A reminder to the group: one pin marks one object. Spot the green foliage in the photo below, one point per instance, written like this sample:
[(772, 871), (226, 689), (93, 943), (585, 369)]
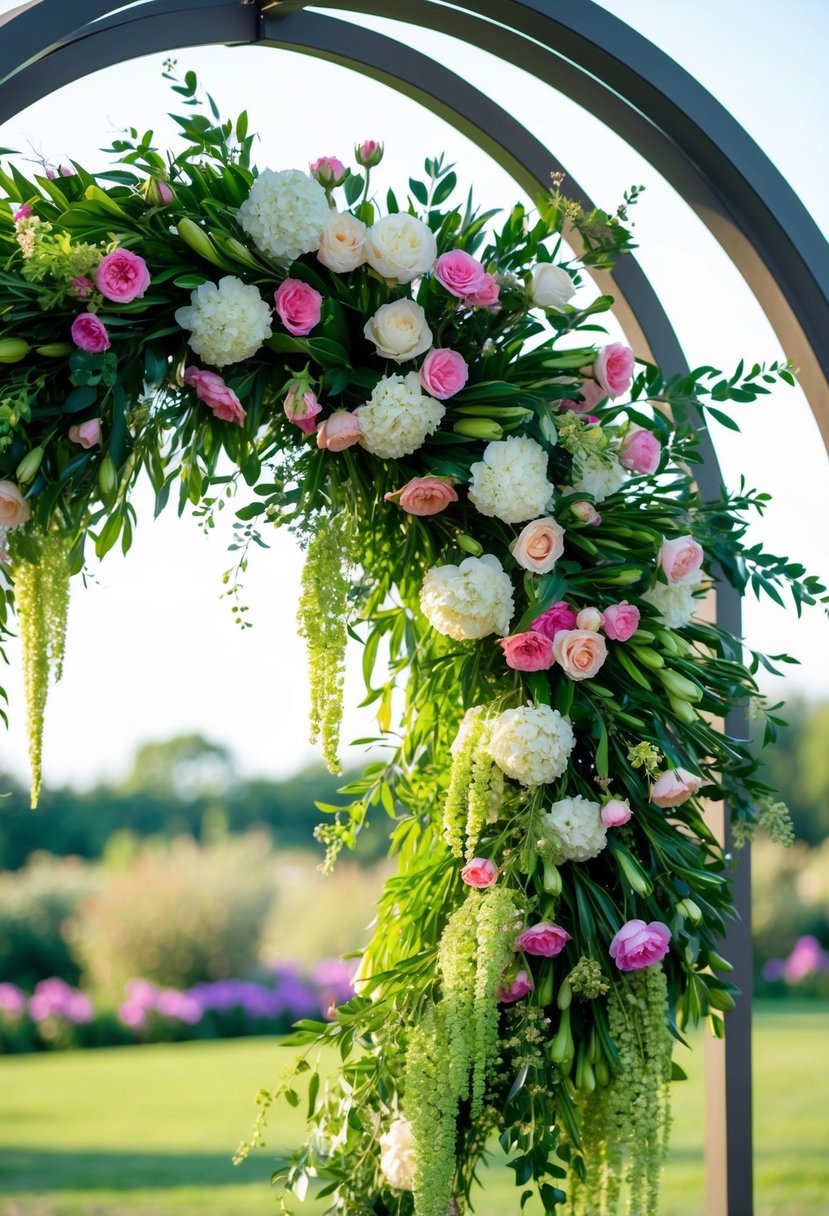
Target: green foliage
[(37, 906)]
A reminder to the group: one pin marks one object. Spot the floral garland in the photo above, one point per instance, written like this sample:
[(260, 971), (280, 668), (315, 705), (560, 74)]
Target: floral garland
[(508, 514)]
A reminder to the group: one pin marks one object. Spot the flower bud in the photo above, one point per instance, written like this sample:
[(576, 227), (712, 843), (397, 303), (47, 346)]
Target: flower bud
[(684, 710), (624, 578), (478, 428), (633, 873), (647, 657), (29, 465), (552, 879), (718, 998), (157, 192), (565, 995), (690, 910), (544, 991), (717, 963), (369, 153), (106, 475), (55, 350), (12, 350), (589, 618), (469, 544), (680, 687), (562, 1046), (329, 171), (594, 439), (198, 240), (602, 1072), (586, 512)]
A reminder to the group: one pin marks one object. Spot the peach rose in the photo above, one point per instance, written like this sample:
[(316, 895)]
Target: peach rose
[(14, 510), (539, 545), (424, 495), (681, 559), (674, 787), (580, 652), (339, 431)]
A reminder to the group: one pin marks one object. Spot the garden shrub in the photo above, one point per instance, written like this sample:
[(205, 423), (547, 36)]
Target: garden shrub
[(36, 907)]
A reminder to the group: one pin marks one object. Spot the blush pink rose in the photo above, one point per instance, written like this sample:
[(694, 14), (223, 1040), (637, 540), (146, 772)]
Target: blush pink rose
[(580, 652), (299, 307), (615, 813), (302, 409), (23, 212), (487, 295), (681, 559), (640, 451), (122, 276), (592, 394), (674, 787), (519, 986), (444, 373), (530, 651), (89, 333), (638, 945), (539, 545), (14, 510), (460, 273), (212, 390), (369, 153), (339, 431), (480, 872), (544, 939), (557, 617), (329, 171), (424, 495), (613, 368), (87, 434), (621, 621), (589, 618)]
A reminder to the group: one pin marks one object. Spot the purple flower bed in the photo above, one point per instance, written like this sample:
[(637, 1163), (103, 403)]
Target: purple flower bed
[(807, 961)]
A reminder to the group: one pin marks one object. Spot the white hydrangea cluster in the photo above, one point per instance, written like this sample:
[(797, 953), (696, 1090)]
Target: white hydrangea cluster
[(532, 744), (575, 824), (598, 476), (285, 214), (511, 480), (228, 321), (674, 602), (397, 1155), (468, 601), (398, 416)]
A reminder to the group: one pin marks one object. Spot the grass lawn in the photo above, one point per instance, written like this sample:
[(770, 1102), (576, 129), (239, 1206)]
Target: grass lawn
[(149, 1131)]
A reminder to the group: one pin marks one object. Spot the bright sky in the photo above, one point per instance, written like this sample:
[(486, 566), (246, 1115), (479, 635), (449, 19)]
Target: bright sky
[(152, 650)]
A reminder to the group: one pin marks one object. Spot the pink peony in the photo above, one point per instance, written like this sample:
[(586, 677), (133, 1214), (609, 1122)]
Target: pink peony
[(89, 333), (302, 409), (460, 273), (486, 296), (480, 872), (87, 434), (613, 368), (638, 945), (539, 545), (615, 813), (14, 510), (580, 652), (528, 651), (82, 287), (621, 621), (681, 559), (640, 451), (589, 618), (299, 307), (518, 986), (544, 939), (212, 390), (369, 153), (23, 212), (444, 373), (424, 495), (592, 394), (339, 431), (674, 787), (557, 617), (329, 171), (122, 276)]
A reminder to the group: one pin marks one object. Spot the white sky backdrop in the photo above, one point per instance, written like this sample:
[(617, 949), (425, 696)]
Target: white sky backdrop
[(152, 651)]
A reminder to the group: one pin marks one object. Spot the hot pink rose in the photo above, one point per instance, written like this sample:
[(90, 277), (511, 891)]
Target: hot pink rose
[(87, 434), (528, 651), (302, 409), (592, 394), (544, 939), (369, 153), (444, 373), (640, 451), (681, 559), (122, 276), (212, 390), (621, 621), (82, 287), (615, 813), (674, 787), (613, 368), (589, 618), (339, 431), (580, 652), (487, 295), (89, 333), (460, 273), (299, 307), (638, 945), (329, 171), (424, 495), (14, 510), (480, 872), (539, 545), (557, 617), (23, 212), (516, 987)]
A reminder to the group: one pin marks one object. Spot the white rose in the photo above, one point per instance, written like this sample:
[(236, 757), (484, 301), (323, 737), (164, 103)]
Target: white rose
[(400, 247), (575, 825), (532, 744), (468, 601), (343, 244), (397, 1155), (399, 331), (552, 286)]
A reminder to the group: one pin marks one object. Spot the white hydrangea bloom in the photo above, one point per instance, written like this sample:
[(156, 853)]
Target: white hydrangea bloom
[(468, 601), (598, 476), (575, 825), (398, 416), (397, 1155), (285, 214), (532, 744), (511, 480), (674, 602), (228, 321)]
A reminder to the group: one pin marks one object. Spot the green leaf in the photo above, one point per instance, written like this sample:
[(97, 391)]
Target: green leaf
[(419, 190)]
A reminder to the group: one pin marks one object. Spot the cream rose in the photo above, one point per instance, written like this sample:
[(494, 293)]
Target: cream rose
[(552, 286), (539, 545), (343, 244), (579, 652), (14, 510), (400, 247), (399, 331)]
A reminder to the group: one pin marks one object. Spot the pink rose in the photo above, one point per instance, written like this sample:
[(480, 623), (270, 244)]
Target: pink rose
[(299, 307), (339, 431), (589, 618), (122, 276), (302, 409), (460, 273), (516, 987), (557, 617), (674, 787), (621, 621), (424, 495), (613, 368), (487, 295), (586, 512), (580, 652), (23, 212), (544, 939), (528, 651), (444, 373), (480, 872), (615, 813), (14, 510), (212, 390), (681, 559), (592, 394), (638, 945), (640, 451), (87, 434), (89, 333), (329, 171), (369, 153), (539, 545), (82, 287)]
